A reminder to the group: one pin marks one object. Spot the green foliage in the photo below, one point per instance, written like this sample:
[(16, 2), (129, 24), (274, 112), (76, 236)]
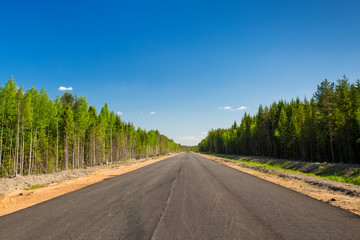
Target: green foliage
[(36, 186), (39, 135), (326, 128), (352, 180)]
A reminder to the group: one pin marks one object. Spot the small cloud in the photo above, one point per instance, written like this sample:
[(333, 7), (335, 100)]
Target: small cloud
[(241, 108), (152, 113), (203, 133), (188, 138), (227, 108), (119, 113), (61, 88)]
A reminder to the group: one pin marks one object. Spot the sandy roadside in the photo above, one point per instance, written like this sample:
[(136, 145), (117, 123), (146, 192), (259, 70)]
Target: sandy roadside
[(335, 198), (20, 199)]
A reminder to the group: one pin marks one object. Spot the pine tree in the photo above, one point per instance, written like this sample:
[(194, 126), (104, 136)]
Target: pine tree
[(104, 118), (9, 115), (281, 131), (344, 106), (92, 131), (26, 120), (19, 97), (68, 131), (325, 101), (81, 121)]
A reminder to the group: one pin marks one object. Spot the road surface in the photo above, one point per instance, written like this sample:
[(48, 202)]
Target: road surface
[(183, 197)]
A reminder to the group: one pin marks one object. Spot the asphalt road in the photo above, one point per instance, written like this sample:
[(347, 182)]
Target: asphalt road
[(183, 197)]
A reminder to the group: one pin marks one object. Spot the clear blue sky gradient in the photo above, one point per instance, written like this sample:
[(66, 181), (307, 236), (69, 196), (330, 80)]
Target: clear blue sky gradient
[(183, 59)]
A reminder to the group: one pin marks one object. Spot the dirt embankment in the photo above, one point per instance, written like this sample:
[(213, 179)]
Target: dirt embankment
[(343, 195), (13, 197)]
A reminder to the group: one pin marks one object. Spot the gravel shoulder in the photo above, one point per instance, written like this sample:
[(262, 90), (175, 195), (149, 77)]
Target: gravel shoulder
[(13, 197), (343, 195)]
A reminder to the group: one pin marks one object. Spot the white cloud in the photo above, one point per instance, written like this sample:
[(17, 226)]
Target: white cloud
[(241, 108), (152, 113), (227, 108), (203, 133), (61, 88), (188, 138), (119, 113)]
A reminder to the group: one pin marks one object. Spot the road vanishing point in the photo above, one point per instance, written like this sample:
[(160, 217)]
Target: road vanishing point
[(182, 197)]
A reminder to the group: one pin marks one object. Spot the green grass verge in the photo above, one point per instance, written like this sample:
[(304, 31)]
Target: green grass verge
[(36, 186), (352, 180)]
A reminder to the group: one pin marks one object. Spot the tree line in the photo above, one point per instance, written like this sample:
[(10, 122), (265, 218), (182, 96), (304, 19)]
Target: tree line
[(39, 135), (324, 128)]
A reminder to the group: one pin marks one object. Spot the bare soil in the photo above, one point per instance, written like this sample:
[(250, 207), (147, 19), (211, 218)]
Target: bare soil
[(14, 197), (343, 195)]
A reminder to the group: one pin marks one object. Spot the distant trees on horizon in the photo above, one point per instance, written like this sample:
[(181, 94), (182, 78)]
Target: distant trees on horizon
[(325, 128), (39, 135)]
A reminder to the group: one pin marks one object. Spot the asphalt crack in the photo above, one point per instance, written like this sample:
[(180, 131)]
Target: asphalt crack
[(167, 202)]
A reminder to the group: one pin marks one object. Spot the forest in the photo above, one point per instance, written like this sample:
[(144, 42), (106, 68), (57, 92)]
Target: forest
[(39, 135), (325, 128)]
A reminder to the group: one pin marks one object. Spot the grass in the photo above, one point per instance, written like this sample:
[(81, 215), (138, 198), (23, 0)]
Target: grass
[(36, 186), (353, 180), (356, 172), (70, 178)]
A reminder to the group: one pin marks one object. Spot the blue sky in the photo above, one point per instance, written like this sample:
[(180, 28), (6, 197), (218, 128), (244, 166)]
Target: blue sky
[(185, 61)]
